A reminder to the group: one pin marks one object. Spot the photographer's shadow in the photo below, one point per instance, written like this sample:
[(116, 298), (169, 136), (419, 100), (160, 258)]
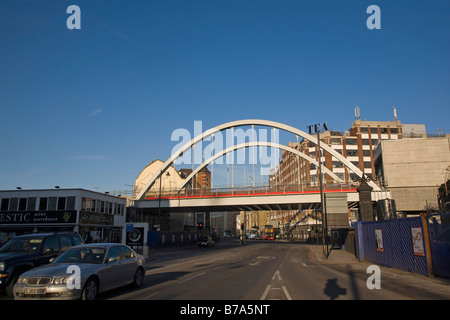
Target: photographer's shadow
[(333, 290)]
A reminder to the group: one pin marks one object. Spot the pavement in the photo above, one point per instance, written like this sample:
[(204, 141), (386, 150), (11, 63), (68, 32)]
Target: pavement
[(437, 287), (335, 256)]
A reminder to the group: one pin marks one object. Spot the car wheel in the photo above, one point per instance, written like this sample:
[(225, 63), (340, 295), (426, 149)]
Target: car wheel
[(138, 278), (90, 289), (9, 288)]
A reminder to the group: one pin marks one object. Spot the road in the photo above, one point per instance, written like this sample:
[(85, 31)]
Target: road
[(271, 270)]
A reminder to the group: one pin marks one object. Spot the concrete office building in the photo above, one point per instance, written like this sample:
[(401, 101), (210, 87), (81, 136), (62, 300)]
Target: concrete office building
[(413, 170)]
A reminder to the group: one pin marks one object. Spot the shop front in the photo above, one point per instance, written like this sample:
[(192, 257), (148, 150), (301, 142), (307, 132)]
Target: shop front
[(96, 227), (97, 217), (18, 223)]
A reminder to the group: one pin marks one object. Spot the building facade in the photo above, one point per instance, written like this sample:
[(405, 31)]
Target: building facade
[(168, 185), (357, 144), (413, 170), (97, 217)]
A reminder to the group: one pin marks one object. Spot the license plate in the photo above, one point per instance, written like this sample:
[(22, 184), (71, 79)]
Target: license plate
[(34, 291)]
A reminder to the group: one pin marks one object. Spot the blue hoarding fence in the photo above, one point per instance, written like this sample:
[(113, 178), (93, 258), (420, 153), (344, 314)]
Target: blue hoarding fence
[(439, 230), (398, 243)]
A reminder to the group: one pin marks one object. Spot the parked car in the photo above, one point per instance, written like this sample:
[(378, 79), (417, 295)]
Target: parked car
[(205, 242), (83, 272), (25, 252)]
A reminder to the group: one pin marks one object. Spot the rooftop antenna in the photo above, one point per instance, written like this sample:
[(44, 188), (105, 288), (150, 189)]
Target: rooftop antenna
[(395, 113), (357, 113)]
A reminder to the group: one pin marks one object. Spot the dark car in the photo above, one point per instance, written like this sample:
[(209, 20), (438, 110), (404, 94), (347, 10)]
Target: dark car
[(25, 252), (205, 242)]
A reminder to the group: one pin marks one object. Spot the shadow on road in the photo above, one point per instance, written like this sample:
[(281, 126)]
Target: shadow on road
[(333, 290)]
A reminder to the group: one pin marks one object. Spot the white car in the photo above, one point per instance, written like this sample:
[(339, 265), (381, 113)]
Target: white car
[(83, 272)]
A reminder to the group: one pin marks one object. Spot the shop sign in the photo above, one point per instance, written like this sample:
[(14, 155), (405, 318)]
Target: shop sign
[(135, 237), (38, 217), (96, 218)]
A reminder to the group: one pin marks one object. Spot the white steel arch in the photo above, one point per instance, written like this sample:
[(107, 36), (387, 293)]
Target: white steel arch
[(257, 122), (256, 144)]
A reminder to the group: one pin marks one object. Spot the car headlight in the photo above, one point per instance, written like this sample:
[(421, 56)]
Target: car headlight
[(59, 280), (2, 266), (21, 280)]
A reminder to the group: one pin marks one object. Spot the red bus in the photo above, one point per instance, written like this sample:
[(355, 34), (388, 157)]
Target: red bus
[(267, 232)]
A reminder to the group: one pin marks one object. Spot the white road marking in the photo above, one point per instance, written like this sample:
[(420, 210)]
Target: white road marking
[(276, 277), (193, 277)]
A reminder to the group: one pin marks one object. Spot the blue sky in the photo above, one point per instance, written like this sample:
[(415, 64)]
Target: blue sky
[(91, 108)]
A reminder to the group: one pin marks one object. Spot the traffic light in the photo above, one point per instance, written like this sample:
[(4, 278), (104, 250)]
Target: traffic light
[(242, 226)]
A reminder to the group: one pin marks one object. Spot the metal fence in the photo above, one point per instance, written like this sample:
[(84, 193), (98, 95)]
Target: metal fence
[(171, 240), (395, 243), (439, 229)]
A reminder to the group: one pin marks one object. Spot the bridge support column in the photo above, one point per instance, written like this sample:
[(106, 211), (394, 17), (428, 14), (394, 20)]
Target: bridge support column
[(365, 201)]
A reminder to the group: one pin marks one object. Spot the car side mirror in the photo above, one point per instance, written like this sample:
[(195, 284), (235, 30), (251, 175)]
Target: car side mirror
[(112, 259)]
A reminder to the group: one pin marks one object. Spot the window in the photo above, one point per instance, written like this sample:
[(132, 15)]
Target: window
[(13, 204), (76, 240), (51, 243), (336, 141), (52, 203), (62, 203), (338, 164), (43, 203), (65, 243), (31, 204), (5, 204), (70, 203), (352, 153), (114, 252), (23, 204), (126, 253)]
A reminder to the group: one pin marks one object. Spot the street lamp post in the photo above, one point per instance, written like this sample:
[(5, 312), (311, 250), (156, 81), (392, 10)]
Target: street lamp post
[(159, 201), (317, 129)]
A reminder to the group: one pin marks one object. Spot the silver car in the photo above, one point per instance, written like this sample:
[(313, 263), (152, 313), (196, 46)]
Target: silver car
[(83, 272)]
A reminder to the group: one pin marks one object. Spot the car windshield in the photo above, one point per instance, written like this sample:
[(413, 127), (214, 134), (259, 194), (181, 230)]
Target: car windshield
[(22, 245), (82, 255)]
